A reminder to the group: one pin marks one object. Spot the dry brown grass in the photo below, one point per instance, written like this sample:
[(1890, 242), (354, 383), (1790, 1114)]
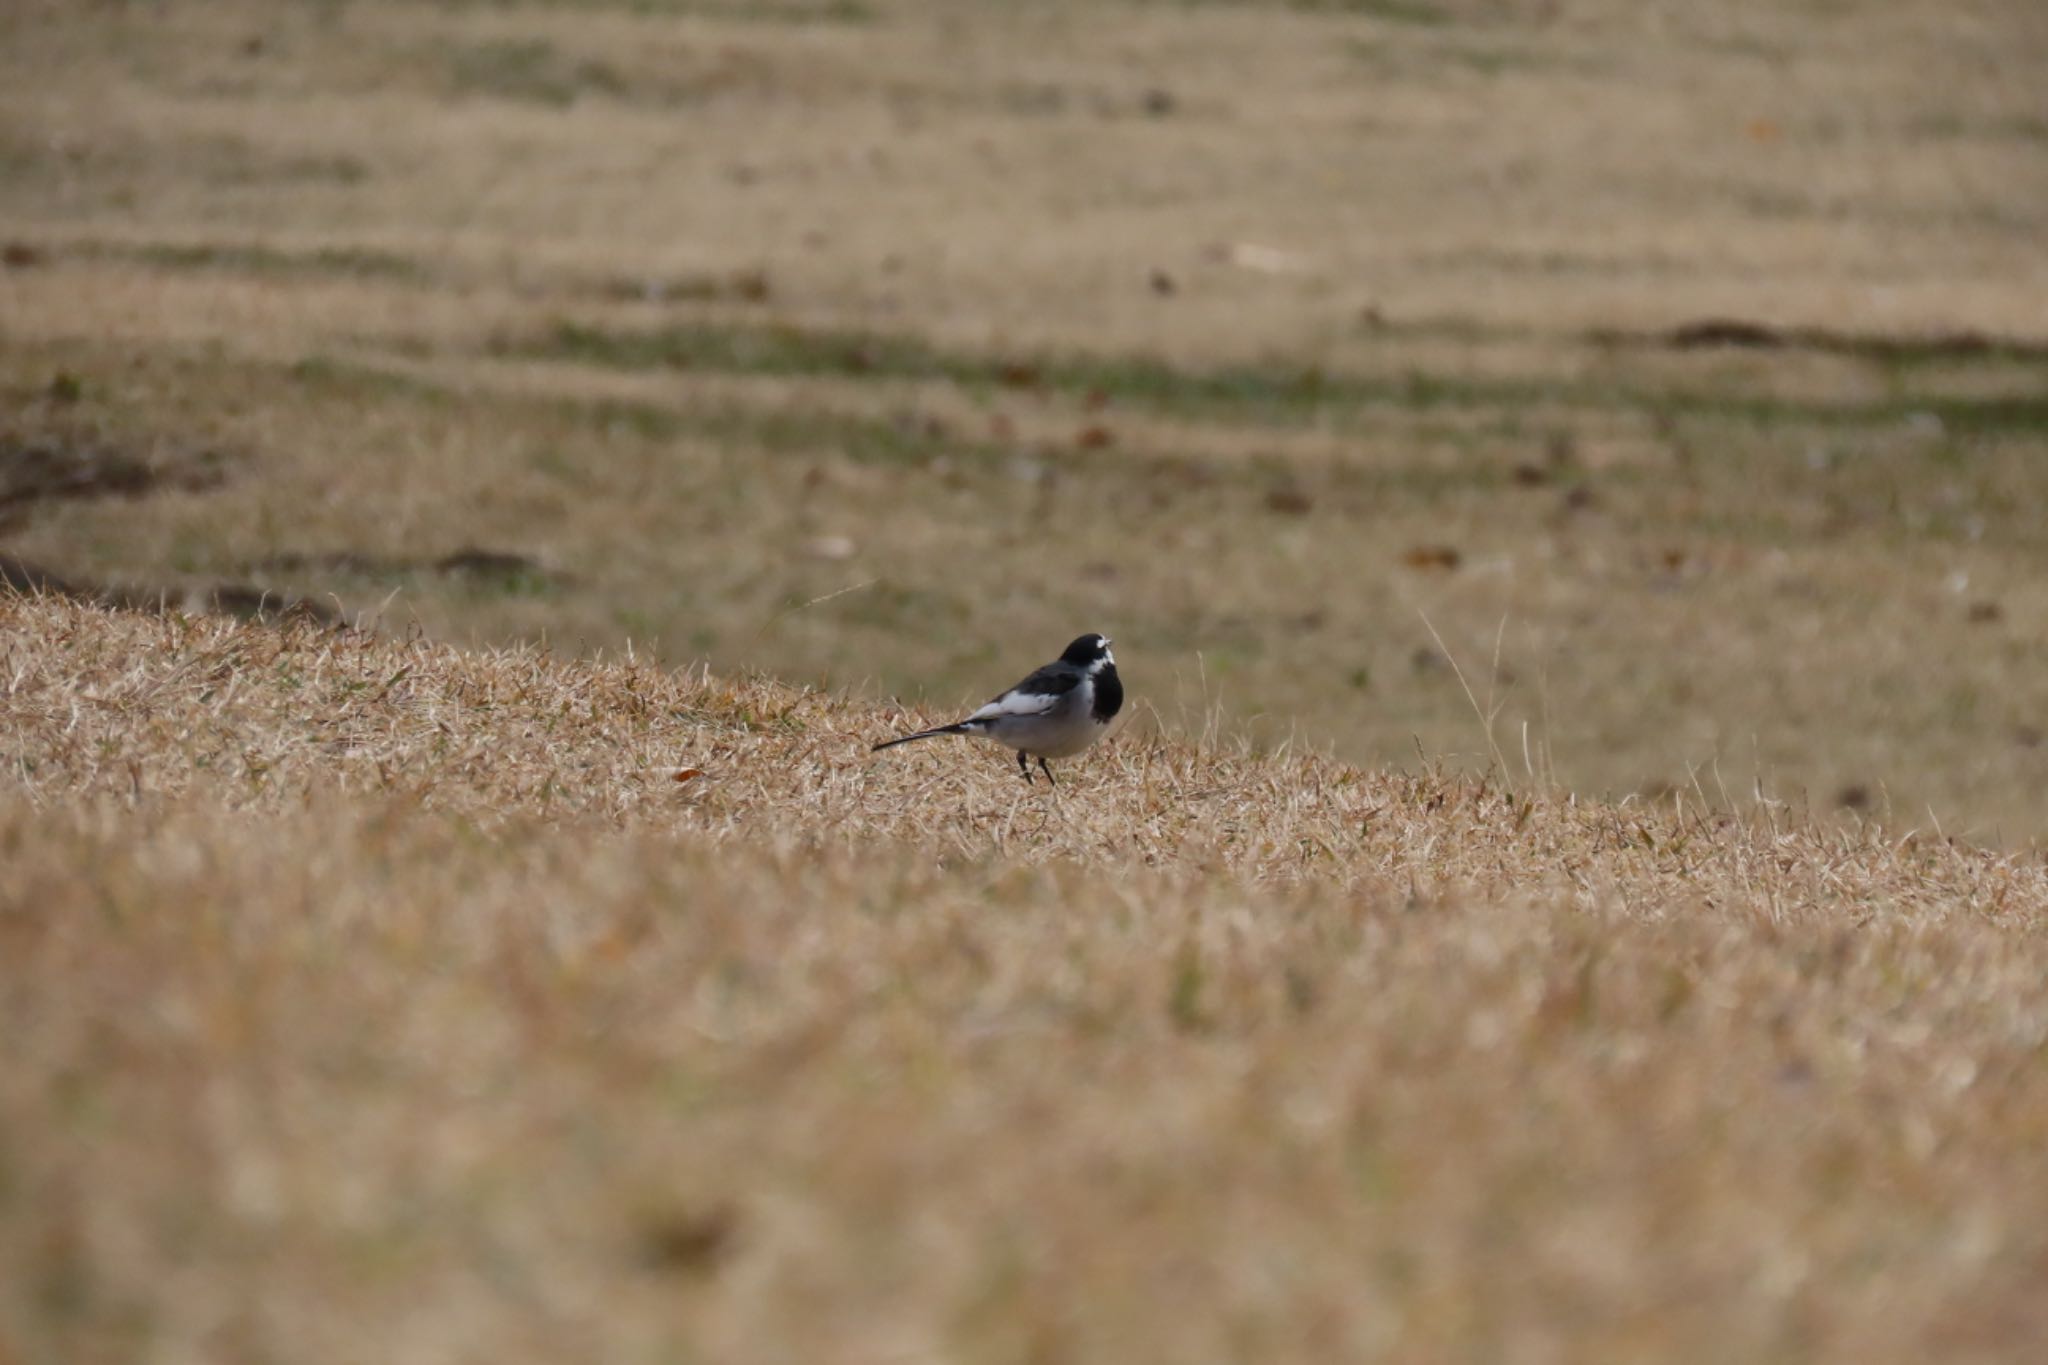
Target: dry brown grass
[(370, 999), (802, 250)]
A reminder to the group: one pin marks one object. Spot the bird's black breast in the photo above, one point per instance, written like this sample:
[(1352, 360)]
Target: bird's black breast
[(1109, 695)]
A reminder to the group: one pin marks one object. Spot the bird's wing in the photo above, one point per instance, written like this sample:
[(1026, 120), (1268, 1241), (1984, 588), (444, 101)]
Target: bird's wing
[(1035, 696)]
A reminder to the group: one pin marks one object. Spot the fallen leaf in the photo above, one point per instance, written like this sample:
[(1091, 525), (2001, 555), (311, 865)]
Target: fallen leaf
[(690, 1242), (1289, 502), (686, 774), (1426, 557)]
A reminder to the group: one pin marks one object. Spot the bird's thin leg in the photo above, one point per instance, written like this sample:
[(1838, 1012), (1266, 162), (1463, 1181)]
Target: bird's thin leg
[(1047, 771), (1024, 766)]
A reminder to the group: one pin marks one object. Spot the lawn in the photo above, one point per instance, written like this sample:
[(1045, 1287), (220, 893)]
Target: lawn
[(1564, 482)]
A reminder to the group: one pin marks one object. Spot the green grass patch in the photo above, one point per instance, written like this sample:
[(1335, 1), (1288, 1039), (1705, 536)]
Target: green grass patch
[(1948, 125), (255, 259), (1267, 391), (734, 11), (353, 379), (1384, 58), (1416, 13), (530, 71), (1259, 392), (912, 440)]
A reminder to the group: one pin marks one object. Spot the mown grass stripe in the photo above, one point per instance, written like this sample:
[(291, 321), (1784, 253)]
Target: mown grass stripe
[(1270, 392)]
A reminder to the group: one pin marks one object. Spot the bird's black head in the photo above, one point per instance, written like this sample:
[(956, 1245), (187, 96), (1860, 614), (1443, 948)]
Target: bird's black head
[(1088, 650)]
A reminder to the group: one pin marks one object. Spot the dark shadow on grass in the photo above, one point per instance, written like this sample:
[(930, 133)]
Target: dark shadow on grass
[(1895, 350)]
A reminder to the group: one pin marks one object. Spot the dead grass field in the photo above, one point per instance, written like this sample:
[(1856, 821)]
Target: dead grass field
[(1565, 481), (380, 1001)]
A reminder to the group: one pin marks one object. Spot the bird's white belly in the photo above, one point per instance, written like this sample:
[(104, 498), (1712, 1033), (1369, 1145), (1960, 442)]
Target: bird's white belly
[(1057, 734)]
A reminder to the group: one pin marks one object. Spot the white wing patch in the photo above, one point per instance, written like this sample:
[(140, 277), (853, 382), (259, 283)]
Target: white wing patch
[(1017, 704)]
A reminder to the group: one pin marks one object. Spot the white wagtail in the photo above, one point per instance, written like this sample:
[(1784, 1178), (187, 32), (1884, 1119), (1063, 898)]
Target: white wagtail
[(1055, 713)]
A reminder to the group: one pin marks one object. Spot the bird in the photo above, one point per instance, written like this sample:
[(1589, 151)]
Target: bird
[(1057, 712)]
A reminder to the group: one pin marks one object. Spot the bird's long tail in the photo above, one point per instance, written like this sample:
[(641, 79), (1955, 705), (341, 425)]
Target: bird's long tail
[(958, 729)]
